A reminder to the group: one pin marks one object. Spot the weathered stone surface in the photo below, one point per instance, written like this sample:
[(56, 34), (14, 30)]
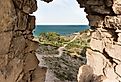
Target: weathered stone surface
[(95, 20), (15, 29), (115, 49), (21, 17), (7, 15), (95, 60), (98, 47), (100, 10), (108, 3), (18, 45), (5, 41), (3, 60), (85, 73), (27, 6), (39, 74), (118, 67), (29, 36), (119, 37), (12, 72), (30, 63), (113, 22), (31, 46), (103, 56), (31, 24), (117, 6), (96, 6)]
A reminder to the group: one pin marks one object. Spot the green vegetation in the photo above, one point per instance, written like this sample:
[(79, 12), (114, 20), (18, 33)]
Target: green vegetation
[(51, 38), (55, 39), (66, 66)]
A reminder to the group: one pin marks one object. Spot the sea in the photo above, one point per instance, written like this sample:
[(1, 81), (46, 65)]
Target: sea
[(61, 29)]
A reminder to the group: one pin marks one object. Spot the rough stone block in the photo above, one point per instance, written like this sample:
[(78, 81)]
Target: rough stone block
[(96, 61), (95, 20), (7, 15), (18, 45), (21, 17), (39, 74), (114, 52), (108, 3), (96, 44), (18, 3), (3, 60), (100, 10), (113, 22), (31, 46), (31, 23), (117, 6), (31, 62), (119, 37), (12, 72), (27, 6), (5, 41)]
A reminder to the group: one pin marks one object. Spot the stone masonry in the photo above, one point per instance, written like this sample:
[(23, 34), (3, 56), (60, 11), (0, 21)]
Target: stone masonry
[(104, 54), (18, 62)]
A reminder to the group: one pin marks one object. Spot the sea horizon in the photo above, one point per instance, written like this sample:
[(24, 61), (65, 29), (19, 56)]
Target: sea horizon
[(61, 29)]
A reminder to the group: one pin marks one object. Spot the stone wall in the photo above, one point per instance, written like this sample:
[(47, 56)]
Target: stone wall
[(18, 62), (104, 54)]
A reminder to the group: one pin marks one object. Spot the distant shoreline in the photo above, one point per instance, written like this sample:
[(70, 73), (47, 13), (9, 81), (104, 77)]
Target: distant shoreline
[(60, 29)]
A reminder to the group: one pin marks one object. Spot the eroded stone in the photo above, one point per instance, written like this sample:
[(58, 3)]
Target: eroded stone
[(114, 51), (117, 6), (12, 72), (27, 6), (5, 41), (21, 17), (113, 22), (39, 74), (30, 63), (31, 46), (31, 24), (18, 45), (7, 15), (95, 20)]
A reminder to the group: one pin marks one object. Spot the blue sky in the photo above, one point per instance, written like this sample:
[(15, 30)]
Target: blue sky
[(60, 12)]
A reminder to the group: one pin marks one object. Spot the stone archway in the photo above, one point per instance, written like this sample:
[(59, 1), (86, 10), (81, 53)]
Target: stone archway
[(18, 62)]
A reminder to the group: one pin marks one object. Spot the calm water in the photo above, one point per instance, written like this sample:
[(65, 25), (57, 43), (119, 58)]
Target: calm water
[(61, 29)]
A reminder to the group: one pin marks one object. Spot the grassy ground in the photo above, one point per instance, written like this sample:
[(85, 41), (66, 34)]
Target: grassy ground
[(54, 39)]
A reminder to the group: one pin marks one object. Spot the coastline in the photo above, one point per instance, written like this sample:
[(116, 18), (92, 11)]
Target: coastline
[(61, 29)]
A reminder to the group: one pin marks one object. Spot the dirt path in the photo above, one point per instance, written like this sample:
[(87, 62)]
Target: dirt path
[(61, 49)]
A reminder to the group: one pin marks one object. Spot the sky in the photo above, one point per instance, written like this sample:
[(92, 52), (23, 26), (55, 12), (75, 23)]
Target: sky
[(60, 12)]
